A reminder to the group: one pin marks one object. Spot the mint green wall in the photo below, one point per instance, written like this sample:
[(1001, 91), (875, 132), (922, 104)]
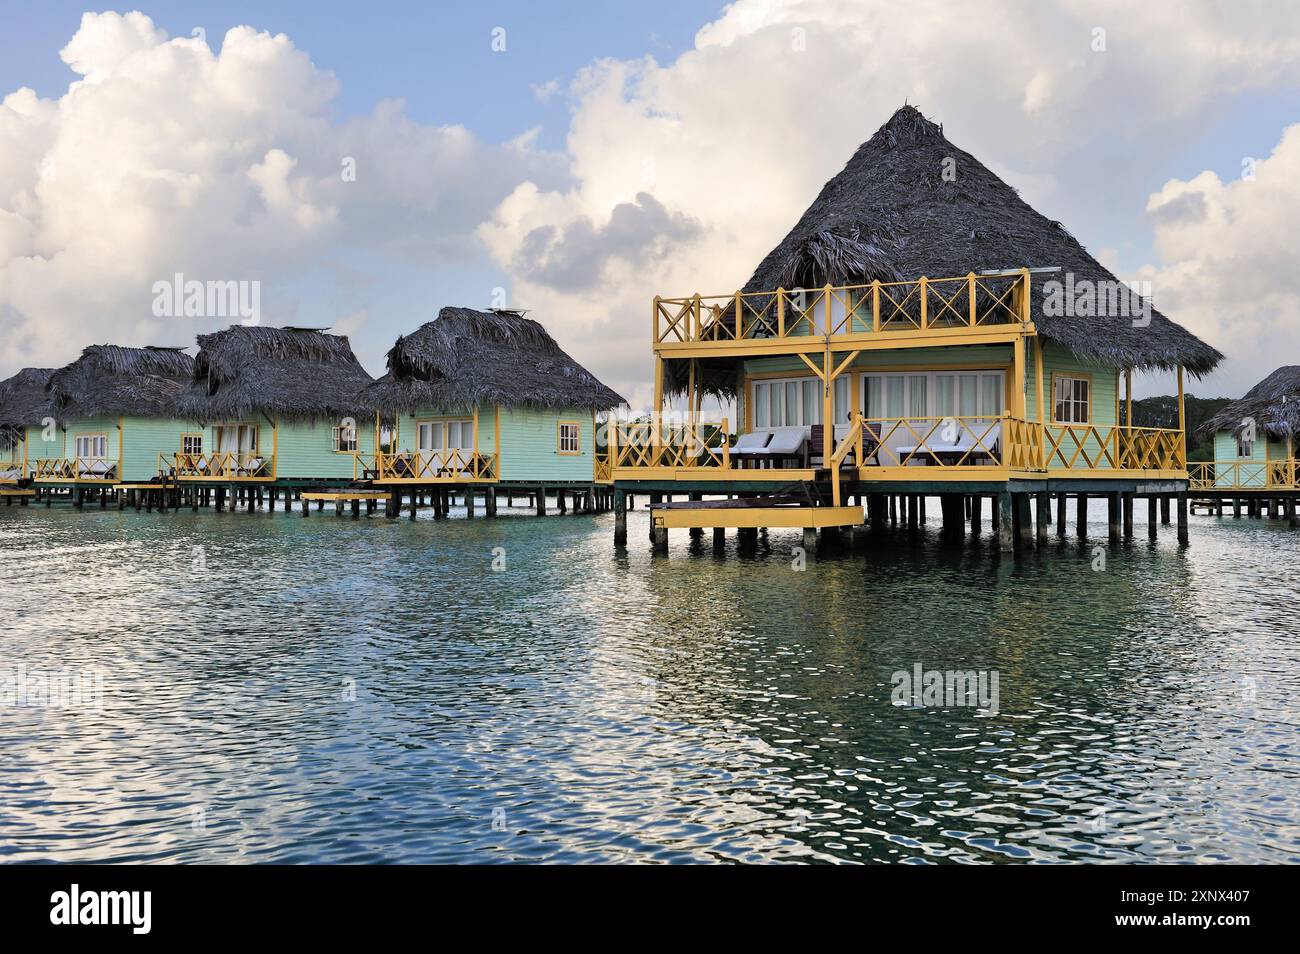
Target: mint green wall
[(1253, 472), (143, 440), (529, 441), (1225, 449), (37, 447), (529, 445)]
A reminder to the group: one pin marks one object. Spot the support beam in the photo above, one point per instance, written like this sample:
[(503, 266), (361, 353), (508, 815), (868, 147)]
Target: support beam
[(1152, 523), (1005, 540), (620, 518), (1081, 516), (1044, 516), (1182, 519)]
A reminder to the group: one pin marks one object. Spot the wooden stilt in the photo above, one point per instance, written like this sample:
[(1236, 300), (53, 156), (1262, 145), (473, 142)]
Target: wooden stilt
[(1004, 523)]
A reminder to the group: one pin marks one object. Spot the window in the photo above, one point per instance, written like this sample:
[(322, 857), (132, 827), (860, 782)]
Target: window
[(570, 438), (915, 395), (449, 435), (345, 439), (796, 402), (92, 446), (1072, 400), (192, 444), (236, 438), (1245, 445)]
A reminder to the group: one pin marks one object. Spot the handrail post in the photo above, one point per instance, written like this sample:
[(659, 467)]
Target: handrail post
[(1024, 295), (654, 321), (826, 301), (925, 285), (875, 304), (780, 312), (726, 444), (970, 295)]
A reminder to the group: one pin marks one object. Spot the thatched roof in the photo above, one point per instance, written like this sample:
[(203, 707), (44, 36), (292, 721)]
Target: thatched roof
[(24, 401), (1273, 404), (245, 372), (890, 215), (466, 357), (112, 381)]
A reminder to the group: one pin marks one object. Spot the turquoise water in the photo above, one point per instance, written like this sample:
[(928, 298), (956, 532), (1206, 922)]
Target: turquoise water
[(324, 690)]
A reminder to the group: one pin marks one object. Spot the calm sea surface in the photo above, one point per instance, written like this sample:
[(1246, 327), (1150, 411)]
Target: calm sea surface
[(324, 690)]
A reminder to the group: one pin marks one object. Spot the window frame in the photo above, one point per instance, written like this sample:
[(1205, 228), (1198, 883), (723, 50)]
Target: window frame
[(90, 436), (337, 439), (192, 436), (576, 450), (1073, 401)]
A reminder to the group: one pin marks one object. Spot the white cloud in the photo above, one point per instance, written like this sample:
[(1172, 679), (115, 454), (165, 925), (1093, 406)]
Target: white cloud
[(170, 157), (1228, 266)]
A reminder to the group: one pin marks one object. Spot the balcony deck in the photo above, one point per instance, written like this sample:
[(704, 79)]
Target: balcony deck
[(447, 466), (969, 309), (931, 450), (95, 471), (219, 467)]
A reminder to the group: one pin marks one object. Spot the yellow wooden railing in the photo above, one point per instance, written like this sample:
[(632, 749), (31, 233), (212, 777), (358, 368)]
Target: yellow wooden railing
[(221, 465), (970, 301), (642, 444), (75, 468), (1113, 447), (448, 465), (954, 445), (1245, 475)]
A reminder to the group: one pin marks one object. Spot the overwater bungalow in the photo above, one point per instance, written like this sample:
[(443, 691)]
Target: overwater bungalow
[(1254, 439), (920, 331), (487, 398), (114, 410), (24, 411), (275, 406)]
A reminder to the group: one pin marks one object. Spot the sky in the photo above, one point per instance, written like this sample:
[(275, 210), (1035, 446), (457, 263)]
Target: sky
[(366, 164)]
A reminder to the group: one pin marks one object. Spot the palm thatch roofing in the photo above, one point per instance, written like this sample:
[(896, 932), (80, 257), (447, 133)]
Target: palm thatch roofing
[(893, 215), (291, 374), (1273, 404), (465, 358), (113, 381), (24, 400)]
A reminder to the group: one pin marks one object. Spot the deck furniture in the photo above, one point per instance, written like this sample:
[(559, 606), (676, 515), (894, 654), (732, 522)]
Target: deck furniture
[(966, 448), (787, 444), (750, 447)]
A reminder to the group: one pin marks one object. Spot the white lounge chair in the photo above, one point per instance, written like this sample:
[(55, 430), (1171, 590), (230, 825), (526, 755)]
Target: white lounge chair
[(787, 443), (975, 445), (749, 446)]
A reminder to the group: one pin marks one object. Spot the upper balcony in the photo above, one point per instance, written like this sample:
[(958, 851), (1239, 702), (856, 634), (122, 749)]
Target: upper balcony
[(973, 308)]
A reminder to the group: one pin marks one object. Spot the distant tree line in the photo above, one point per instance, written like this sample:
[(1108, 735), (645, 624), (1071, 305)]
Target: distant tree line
[(1163, 412)]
